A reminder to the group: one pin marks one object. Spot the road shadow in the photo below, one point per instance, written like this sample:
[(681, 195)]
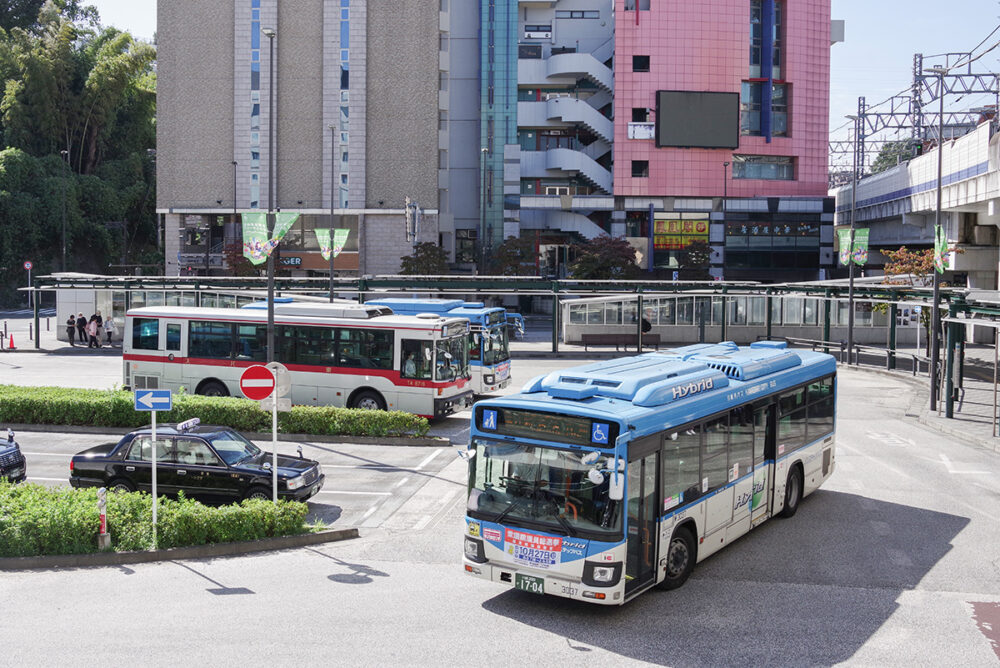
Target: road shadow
[(806, 591), (327, 513), (359, 573)]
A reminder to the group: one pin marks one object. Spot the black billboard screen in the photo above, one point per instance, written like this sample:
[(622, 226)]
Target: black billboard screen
[(692, 119)]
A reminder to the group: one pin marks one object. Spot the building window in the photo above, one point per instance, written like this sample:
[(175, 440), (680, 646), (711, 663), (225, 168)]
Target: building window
[(757, 39), (779, 110), (764, 167), (578, 14), (640, 168), (630, 5), (750, 96), (640, 114), (640, 63)]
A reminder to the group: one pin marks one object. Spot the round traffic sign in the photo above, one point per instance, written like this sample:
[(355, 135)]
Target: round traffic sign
[(257, 382), (28, 265)]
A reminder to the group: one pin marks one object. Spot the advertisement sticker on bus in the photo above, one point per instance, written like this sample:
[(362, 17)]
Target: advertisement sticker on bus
[(673, 501), (533, 550), (474, 529), (493, 535), (503, 370)]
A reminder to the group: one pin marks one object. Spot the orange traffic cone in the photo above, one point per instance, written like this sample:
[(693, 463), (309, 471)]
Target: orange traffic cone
[(11, 346)]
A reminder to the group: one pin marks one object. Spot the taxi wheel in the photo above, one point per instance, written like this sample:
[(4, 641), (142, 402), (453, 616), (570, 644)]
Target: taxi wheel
[(121, 485), (368, 400), (258, 493)]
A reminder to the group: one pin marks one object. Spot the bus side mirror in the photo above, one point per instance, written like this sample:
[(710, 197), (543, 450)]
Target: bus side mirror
[(467, 455), (616, 486)]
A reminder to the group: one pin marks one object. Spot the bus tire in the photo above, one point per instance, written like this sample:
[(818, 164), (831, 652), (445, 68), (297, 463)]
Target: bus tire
[(368, 400), (681, 556), (258, 492), (213, 388), (793, 492)]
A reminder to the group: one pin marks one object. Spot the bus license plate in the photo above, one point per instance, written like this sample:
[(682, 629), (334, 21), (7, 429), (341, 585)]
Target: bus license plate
[(529, 583)]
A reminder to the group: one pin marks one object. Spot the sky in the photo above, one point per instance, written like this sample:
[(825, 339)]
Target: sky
[(875, 60)]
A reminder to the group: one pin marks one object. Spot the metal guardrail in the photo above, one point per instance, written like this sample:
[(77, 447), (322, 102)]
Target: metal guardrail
[(918, 363)]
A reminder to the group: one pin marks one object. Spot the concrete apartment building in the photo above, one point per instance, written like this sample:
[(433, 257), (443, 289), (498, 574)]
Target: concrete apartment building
[(530, 118), (356, 113)]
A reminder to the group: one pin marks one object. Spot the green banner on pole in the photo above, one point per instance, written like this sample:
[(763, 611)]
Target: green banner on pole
[(283, 221), (860, 252), (339, 241), (256, 246), (940, 249), (844, 241)]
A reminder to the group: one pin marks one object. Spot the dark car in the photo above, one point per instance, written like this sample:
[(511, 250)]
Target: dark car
[(208, 463), (13, 466)]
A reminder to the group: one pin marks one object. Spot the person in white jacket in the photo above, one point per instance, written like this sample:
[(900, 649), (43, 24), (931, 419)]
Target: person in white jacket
[(109, 328)]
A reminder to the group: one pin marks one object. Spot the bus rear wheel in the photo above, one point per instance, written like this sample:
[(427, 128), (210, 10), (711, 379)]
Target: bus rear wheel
[(793, 493), (213, 388), (368, 400), (680, 559)]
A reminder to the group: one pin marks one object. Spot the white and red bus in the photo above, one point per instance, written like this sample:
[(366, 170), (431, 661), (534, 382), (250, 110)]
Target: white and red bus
[(356, 356)]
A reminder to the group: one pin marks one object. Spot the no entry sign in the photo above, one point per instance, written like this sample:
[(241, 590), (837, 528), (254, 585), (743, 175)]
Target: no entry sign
[(257, 382)]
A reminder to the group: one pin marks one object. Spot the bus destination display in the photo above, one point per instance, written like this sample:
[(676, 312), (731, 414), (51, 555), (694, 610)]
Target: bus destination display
[(546, 426)]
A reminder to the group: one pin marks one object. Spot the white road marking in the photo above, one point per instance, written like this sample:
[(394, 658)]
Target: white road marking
[(422, 522), (369, 512), (951, 469), (401, 482), (428, 459), (338, 491), (31, 477)]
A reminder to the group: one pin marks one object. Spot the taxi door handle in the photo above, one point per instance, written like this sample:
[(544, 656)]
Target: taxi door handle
[(181, 472), (129, 468)]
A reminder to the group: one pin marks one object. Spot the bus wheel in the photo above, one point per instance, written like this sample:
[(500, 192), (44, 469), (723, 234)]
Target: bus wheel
[(368, 400), (680, 559), (213, 388), (793, 493)]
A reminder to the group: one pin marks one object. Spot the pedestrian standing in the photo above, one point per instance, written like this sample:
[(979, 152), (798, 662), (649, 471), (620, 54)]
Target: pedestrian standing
[(71, 329), (81, 328), (109, 328), (93, 332)]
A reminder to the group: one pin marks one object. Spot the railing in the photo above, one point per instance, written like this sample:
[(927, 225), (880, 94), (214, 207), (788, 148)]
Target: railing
[(917, 363)]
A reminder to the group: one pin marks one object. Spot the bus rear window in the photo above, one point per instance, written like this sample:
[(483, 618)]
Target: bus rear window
[(146, 334)]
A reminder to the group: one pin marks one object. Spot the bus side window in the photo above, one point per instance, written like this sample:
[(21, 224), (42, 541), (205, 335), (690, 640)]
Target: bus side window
[(415, 359), (681, 467), (146, 334), (475, 344), (714, 462), (741, 441)]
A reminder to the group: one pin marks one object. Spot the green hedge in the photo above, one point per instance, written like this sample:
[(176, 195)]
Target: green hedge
[(116, 408), (36, 520)]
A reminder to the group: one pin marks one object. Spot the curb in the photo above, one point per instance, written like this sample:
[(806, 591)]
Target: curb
[(192, 552), (424, 441)]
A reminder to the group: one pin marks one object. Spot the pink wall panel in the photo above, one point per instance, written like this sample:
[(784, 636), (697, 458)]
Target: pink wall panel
[(705, 47)]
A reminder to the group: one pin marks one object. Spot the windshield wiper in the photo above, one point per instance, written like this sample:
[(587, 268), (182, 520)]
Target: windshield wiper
[(517, 502), (562, 520)]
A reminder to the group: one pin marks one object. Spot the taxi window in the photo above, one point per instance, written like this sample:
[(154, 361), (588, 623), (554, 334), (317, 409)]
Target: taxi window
[(141, 450), (195, 452)]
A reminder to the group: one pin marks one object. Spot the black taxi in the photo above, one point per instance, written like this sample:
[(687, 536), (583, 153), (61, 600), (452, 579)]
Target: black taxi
[(13, 466), (208, 463)]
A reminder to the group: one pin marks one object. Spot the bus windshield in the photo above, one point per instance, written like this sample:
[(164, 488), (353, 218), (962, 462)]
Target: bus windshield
[(495, 346), (516, 482), (452, 358)]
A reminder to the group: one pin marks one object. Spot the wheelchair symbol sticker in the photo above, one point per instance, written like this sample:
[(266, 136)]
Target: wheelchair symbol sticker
[(599, 433), (489, 419)]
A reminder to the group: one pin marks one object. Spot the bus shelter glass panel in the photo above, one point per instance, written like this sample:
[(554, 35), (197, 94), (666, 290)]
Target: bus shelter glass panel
[(209, 300), (738, 310), (137, 298), (629, 310), (227, 301), (667, 309), (716, 309), (862, 314), (685, 311), (756, 310), (154, 298), (578, 314), (613, 313), (810, 314), (595, 314), (793, 311), (776, 307), (172, 299)]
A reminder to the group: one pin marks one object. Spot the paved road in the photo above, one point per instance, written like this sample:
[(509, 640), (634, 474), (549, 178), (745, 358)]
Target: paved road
[(892, 563)]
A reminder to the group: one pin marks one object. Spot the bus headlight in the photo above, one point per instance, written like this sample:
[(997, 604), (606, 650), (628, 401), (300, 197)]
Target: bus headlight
[(601, 574), (488, 378), (474, 550), (295, 483)]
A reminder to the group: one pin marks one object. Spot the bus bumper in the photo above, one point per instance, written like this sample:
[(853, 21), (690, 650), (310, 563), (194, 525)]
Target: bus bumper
[(557, 586), (448, 406)]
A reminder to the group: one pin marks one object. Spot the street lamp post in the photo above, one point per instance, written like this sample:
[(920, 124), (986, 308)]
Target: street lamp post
[(65, 156), (270, 34), (935, 309), (850, 246), (482, 211), (333, 183), (235, 164)]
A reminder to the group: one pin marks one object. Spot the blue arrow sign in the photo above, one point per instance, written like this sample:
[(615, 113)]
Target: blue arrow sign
[(153, 400)]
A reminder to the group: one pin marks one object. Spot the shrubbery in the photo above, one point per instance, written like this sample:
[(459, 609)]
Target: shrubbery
[(115, 408), (36, 520)]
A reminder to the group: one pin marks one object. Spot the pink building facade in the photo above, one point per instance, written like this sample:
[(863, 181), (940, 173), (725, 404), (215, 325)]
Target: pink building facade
[(774, 55)]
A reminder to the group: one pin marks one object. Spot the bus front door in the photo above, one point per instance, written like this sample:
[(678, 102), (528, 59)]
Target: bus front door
[(643, 503), (173, 368), (762, 501)]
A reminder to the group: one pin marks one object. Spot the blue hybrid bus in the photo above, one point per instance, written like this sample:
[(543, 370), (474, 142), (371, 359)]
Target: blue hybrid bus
[(599, 482), (489, 343)]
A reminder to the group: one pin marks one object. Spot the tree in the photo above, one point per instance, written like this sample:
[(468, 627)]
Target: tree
[(604, 258), (693, 262), (892, 153), (514, 257), (428, 259)]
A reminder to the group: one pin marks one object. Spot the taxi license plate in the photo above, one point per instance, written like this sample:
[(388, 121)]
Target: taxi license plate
[(529, 583)]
